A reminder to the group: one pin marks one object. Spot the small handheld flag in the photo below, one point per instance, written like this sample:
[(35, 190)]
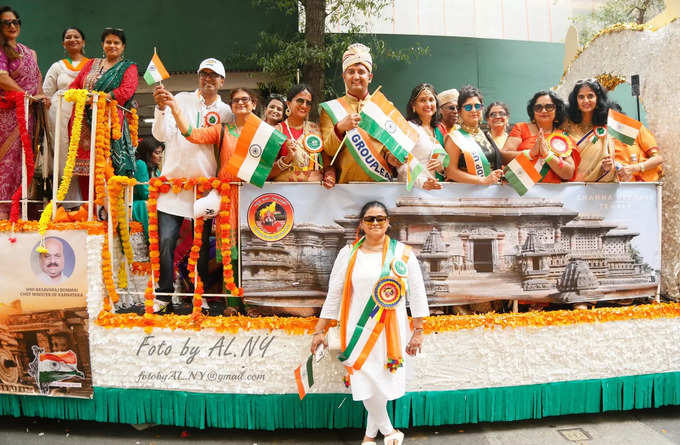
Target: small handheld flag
[(622, 127), (155, 72), (304, 377), (522, 174)]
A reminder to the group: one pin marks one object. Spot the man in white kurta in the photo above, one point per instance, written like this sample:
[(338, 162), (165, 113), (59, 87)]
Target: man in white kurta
[(183, 159), (373, 378)]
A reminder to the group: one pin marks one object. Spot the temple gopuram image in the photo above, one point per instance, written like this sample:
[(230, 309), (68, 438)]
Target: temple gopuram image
[(470, 250)]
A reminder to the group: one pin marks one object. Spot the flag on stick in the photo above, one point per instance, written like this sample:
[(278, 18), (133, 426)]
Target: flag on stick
[(256, 150), (304, 377), (381, 120), (155, 72), (521, 174), (622, 127)]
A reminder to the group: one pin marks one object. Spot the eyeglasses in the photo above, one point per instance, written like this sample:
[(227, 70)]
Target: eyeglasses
[(240, 100), (8, 23), (450, 108), (209, 75), (498, 114), (469, 107), (547, 107), (375, 219), (301, 101)]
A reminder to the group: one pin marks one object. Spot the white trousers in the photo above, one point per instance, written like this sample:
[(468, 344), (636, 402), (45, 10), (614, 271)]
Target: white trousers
[(377, 419)]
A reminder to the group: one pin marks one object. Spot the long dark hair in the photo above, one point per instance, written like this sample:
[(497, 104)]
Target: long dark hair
[(601, 109), (560, 107), (11, 53), (412, 116), (144, 151)]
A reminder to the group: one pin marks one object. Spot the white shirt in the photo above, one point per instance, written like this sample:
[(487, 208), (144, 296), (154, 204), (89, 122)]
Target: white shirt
[(373, 378), (52, 281), (182, 158)]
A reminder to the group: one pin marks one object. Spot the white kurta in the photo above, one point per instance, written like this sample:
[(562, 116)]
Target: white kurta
[(182, 159), (373, 377), (57, 80), (422, 151)]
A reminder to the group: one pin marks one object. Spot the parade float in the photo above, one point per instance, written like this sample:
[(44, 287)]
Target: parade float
[(71, 350)]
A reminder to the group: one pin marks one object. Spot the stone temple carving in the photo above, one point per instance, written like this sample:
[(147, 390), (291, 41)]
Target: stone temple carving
[(470, 250)]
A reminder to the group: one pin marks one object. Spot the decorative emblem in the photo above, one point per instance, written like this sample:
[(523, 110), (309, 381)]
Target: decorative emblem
[(387, 292), (255, 151), (560, 144), (212, 118), (313, 143), (270, 217), (600, 131), (390, 126), (399, 268)]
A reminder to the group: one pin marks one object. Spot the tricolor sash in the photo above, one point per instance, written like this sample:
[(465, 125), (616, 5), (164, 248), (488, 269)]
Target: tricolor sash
[(364, 149), (475, 160), (379, 313)]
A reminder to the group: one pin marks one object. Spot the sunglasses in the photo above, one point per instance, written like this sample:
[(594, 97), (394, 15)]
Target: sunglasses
[(8, 23), (240, 100), (375, 219), (301, 101), (469, 107), (547, 107), (498, 114), (113, 29)]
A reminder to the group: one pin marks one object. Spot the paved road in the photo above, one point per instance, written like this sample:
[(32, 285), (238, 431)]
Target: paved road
[(646, 427)]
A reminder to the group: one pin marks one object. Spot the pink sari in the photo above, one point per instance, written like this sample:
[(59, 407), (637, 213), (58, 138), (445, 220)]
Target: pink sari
[(25, 72)]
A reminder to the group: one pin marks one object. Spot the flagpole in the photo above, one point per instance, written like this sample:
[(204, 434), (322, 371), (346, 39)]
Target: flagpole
[(342, 142), (160, 81)]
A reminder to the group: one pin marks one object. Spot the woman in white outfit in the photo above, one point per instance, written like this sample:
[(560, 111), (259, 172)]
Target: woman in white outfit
[(368, 286), (57, 80), (422, 113)]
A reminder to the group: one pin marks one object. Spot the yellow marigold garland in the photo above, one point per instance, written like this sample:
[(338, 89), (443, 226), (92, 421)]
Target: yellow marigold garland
[(442, 323), (79, 97), (118, 186), (102, 149), (116, 132), (92, 227)]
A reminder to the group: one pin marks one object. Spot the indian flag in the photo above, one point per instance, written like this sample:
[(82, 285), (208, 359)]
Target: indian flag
[(521, 174), (155, 72), (256, 150), (381, 120), (55, 366), (304, 377), (622, 127), (415, 168)]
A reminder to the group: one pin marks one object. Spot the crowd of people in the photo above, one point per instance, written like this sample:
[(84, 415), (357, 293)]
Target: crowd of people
[(196, 132)]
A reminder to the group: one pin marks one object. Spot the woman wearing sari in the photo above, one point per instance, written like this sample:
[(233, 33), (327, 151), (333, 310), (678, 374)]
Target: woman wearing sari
[(587, 111), (57, 80), (475, 159), (547, 113), (116, 76), (18, 72)]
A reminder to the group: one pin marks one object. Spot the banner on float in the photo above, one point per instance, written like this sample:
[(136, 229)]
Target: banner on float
[(478, 247), (44, 346)]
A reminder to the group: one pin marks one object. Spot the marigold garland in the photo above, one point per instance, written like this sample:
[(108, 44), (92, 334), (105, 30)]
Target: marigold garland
[(92, 227), (17, 99), (118, 186), (79, 98), (116, 132), (193, 261), (442, 323), (133, 124), (111, 296), (140, 268), (102, 148)]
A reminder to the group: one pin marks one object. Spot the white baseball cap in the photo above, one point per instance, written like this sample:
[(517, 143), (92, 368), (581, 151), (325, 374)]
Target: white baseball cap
[(212, 64)]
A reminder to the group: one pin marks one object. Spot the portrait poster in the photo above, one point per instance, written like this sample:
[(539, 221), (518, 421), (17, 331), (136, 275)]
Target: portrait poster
[(559, 244), (44, 346)]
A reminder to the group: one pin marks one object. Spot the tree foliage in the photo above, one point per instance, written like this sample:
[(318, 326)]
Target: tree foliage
[(316, 51), (613, 12)]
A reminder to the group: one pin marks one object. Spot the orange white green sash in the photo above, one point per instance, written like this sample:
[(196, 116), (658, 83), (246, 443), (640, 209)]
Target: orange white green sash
[(475, 159), (364, 149), (379, 313)]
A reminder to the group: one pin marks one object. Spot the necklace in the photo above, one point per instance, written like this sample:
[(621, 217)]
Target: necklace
[(469, 129)]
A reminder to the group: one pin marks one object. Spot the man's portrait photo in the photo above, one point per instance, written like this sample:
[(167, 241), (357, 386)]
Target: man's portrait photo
[(55, 266)]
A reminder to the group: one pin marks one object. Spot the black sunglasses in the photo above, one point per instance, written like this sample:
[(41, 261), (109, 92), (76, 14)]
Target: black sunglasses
[(374, 219), (8, 23)]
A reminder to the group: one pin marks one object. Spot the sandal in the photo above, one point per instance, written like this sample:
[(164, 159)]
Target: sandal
[(396, 436)]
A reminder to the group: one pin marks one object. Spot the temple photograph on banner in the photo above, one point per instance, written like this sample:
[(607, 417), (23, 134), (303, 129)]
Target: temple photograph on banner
[(558, 247)]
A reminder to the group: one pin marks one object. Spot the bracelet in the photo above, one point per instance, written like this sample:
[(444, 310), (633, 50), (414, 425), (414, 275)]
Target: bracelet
[(188, 133), (549, 156), (280, 163), (318, 332), (417, 330)]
